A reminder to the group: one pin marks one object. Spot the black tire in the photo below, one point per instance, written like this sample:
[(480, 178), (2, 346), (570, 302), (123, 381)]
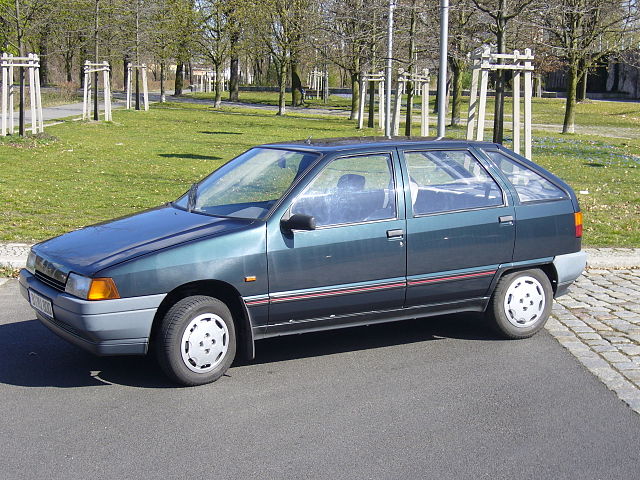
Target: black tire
[(521, 303), (186, 362)]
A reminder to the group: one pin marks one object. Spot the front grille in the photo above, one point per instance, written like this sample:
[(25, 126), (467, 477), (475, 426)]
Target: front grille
[(52, 282)]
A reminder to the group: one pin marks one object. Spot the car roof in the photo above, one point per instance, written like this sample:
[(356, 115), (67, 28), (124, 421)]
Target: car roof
[(326, 145)]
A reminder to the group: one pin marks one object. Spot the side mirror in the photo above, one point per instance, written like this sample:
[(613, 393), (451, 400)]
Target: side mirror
[(298, 221)]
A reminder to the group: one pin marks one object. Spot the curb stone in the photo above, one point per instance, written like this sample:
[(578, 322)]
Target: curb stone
[(15, 255)]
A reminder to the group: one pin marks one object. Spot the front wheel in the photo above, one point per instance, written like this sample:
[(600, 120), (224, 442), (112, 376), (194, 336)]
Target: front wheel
[(197, 340), (521, 303)]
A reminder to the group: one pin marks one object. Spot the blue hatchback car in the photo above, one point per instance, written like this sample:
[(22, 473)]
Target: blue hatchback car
[(305, 236)]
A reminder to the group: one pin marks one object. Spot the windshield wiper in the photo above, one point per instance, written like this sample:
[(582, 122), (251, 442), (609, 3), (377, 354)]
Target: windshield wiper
[(191, 202)]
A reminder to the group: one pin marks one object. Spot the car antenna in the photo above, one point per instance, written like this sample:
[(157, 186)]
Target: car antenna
[(308, 140)]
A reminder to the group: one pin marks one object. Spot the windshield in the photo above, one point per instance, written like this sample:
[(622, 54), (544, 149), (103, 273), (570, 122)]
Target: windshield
[(249, 185)]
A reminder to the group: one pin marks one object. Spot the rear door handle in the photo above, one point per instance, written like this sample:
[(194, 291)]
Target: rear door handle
[(398, 233), (505, 219)]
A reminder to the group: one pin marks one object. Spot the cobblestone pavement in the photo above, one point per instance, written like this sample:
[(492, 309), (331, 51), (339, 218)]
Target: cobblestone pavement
[(598, 321)]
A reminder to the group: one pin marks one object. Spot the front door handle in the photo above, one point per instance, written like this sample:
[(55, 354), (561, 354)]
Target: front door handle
[(398, 233), (505, 219)]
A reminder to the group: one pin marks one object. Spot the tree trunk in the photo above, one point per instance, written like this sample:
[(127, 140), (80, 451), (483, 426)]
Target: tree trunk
[(179, 79), (218, 87), (126, 60), (569, 113), (282, 88), (83, 57), (537, 85), (296, 83), (412, 49), (456, 67), (355, 95), (372, 104), (409, 116), (44, 61), (498, 118), (234, 75), (581, 90), (163, 97), (68, 67)]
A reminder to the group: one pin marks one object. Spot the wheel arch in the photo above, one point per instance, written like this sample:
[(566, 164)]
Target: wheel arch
[(547, 268), (225, 293)]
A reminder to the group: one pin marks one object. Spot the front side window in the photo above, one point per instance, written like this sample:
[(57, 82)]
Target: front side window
[(443, 181), (530, 185), (249, 185), (350, 190)]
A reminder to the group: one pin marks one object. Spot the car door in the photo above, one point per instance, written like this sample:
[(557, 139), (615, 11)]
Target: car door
[(355, 259), (460, 226)]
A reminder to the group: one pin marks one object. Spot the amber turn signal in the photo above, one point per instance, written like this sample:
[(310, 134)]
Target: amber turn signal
[(578, 222), (103, 289)]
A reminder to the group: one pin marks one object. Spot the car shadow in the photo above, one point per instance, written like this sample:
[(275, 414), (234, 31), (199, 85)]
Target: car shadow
[(32, 356), (464, 326)]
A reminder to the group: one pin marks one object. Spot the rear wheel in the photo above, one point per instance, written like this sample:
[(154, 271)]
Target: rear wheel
[(521, 303), (197, 340)]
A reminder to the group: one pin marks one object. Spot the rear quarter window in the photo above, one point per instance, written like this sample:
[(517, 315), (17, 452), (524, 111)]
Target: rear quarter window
[(530, 185)]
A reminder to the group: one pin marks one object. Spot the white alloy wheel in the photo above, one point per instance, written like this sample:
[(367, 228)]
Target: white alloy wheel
[(524, 301), (205, 342)]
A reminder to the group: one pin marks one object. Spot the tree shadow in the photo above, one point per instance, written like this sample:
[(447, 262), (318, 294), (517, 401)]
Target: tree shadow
[(594, 164), (192, 156), (32, 356), (222, 133)]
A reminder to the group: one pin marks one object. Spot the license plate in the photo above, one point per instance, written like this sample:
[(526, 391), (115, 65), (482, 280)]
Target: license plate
[(40, 303)]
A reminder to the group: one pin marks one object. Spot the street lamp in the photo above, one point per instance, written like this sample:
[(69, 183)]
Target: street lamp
[(442, 74), (387, 109)]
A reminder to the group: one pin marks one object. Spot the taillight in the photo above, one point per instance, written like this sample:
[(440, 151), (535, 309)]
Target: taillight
[(578, 221)]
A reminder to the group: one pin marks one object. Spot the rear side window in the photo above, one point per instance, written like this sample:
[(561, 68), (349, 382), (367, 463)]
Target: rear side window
[(530, 185), (443, 181)]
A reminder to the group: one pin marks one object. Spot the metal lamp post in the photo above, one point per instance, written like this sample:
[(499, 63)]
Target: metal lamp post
[(387, 117), (442, 74)]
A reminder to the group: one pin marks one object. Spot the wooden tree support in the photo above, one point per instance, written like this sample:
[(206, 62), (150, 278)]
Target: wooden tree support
[(7, 65), (483, 61), (421, 84), (316, 81), (205, 80), (145, 89), (378, 78), (90, 89)]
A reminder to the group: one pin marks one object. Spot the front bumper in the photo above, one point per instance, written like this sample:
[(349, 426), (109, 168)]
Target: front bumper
[(106, 327), (568, 268)]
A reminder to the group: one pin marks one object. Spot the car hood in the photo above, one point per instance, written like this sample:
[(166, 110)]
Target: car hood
[(99, 246)]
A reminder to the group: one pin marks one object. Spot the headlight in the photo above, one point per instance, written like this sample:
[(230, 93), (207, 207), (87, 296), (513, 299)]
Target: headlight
[(31, 262), (91, 288)]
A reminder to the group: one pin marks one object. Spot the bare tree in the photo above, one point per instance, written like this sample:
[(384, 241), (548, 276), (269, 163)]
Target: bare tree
[(582, 32), (501, 12), (215, 39)]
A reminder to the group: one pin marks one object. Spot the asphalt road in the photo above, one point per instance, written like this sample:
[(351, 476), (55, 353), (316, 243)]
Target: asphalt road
[(432, 398)]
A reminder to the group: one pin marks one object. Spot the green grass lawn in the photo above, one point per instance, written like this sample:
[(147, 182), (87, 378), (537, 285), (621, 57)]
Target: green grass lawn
[(84, 172)]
